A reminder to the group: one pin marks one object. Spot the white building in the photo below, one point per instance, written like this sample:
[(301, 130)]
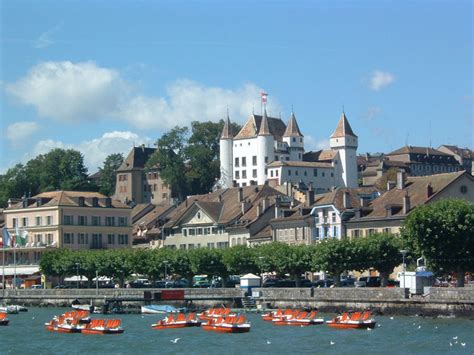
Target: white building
[(267, 149)]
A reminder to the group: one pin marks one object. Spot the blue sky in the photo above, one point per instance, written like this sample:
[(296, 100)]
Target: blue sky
[(102, 76)]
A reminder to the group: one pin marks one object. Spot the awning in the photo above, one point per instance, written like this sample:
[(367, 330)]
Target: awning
[(21, 270)]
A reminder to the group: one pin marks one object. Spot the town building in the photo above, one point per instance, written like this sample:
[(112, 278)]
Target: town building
[(67, 219), (223, 218), (376, 169), (388, 212), (266, 149), (136, 185), (147, 220), (425, 160), (464, 156)]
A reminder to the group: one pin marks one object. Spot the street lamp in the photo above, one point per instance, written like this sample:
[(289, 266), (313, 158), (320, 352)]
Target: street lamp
[(97, 282), (77, 274), (166, 269), (261, 267), (404, 252)]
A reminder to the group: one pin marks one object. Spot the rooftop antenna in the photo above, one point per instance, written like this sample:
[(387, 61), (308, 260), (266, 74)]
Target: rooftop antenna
[(429, 131), (406, 139)]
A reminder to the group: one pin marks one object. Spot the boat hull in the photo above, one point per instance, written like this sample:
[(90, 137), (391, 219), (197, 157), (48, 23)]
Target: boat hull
[(226, 329), (102, 331), (343, 325), (4, 322), (176, 325)]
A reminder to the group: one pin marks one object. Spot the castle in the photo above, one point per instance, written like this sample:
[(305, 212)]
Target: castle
[(266, 149)]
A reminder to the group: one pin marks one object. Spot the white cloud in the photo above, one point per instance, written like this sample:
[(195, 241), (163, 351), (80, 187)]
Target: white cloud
[(380, 79), (372, 113), (19, 131), (96, 150), (67, 91), (46, 38), (312, 143)]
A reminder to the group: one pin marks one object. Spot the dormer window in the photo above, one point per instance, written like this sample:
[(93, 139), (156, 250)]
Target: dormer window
[(198, 215)]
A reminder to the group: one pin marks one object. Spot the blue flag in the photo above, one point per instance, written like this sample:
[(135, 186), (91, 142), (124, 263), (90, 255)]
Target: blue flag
[(5, 237)]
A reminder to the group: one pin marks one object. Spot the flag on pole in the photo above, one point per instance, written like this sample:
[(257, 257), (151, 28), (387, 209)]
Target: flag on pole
[(21, 240), (5, 238), (264, 97)]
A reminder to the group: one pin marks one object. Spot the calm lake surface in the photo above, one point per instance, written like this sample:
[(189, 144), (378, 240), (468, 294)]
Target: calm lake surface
[(400, 335)]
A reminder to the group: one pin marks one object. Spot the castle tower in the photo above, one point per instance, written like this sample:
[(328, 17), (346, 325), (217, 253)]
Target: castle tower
[(294, 139), (225, 154), (344, 141), (265, 151)]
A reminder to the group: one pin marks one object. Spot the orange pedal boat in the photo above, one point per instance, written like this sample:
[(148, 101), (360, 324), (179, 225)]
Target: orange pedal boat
[(231, 324), (357, 320), (180, 322), (298, 319), (3, 319), (100, 326)]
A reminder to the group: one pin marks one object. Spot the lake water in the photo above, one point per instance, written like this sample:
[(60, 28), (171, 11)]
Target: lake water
[(401, 335)]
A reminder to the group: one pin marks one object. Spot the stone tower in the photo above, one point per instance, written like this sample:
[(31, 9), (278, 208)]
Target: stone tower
[(225, 154)]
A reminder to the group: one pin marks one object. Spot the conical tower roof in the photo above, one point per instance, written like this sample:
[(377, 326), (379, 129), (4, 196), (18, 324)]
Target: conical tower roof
[(292, 129), (264, 127), (343, 128), (227, 130)]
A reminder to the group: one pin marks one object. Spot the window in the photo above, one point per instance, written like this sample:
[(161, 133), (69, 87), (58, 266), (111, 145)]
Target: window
[(276, 157), (254, 173), (210, 245), (266, 160), (334, 217), (271, 173), (294, 139), (123, 239), (122, 221), (164, 196), (185, 232), (370, 231), (276, 173), (289, 172), (182, 246), (38, 238), (237, 162), (199, 231), (68, 220), (110, 221), (287, 158), (68, 238), (299, 155), (221, 245), (387, 230), (24, 222), (254, 160), (49, 220), (49, 238), (355, 233), (15, 222), (190, 246), (244, 161), (305, 173), (122, 177), (237, 174), (110, 238), (322, 174), (82, 220), (334, 231), (192, 231), (296, 172), (301, 140), (244, 174), (332, 174), (95, 220), (82, 238), (38, 220)]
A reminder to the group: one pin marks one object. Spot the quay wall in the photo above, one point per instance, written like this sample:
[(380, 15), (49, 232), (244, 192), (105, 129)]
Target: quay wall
[(435, 302)]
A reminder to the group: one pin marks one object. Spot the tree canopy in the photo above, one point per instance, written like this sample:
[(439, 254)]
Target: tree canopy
[(443, 233), (107, 173)]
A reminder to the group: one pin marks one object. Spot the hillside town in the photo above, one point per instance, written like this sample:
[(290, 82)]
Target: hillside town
[(270, 189)]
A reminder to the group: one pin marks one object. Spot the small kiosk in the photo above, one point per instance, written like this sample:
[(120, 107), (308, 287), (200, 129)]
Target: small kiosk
[(247, 282)]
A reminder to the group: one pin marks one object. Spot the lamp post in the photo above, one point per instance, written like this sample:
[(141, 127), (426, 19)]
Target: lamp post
[(166, 270), (261, 267), (404, 252), (97, 282), (77, 274)]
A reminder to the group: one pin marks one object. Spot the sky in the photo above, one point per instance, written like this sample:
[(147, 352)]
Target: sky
[(103, 76)]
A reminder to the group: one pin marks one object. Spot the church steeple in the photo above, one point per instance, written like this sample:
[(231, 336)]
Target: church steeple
[(292, 129), (264, 127), (227, 130)]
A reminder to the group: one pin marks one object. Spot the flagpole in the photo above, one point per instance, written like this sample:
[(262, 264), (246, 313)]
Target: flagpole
[(3, 269), (14, 266)]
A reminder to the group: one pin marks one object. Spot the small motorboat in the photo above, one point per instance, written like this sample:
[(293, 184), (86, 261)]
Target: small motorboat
[(3, 319), (101, 326), (230, 324), (214, 313), (298, 319), (356, 320), (87, 307), (278, 314), (10, 309), (180, 322), (161, 309), (64, 325), (81, 315)]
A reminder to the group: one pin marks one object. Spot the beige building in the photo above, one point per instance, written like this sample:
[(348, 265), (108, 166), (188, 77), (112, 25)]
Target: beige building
[(137, 185), (67, 219), (388, 212), (464, 156)]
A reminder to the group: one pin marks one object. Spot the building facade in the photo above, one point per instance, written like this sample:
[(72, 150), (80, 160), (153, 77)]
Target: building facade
[(265, 146), (67, 219), (464, 156), (136, 185)]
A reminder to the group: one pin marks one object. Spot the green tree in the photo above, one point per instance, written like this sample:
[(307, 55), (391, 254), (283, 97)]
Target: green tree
[(240, 260), (335, 256), (380, 251), (182, 265), (108, 173), (14, 183), (170, 156), (443, 233), (116, 264), (209, 262)]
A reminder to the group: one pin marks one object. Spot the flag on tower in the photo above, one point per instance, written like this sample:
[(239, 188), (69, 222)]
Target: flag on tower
[(264, 96)]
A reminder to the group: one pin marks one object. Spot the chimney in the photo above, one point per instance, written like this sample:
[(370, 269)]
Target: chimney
[(388, 211), (401, 179), (256, 189), (390, 185), (240, 195), (264, 204), (363, 202), (406, 204), (309, 197), (358, 213), (259, 210), (186, 203), (429, 190), (277, 206), (39, 202), (346, 200)]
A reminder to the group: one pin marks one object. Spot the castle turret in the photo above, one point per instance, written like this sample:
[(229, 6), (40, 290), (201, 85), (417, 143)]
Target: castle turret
[(344, 141), (294, 139), (265, 153), (225, 154)]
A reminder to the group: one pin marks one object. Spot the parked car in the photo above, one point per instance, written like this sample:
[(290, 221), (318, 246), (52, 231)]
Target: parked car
[(270, 283), (36, 287), (323, 283), (202, 284), (368, 281), (140, 283), (183, 283), (347, 281)]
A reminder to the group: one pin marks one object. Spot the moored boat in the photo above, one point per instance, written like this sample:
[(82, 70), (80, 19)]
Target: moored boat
[(356, 320), (101, 326), (230, 324), (3, 319), (64, 325), (10, 309), (180, 321), (214, 313), (161, 309), (298, 319)]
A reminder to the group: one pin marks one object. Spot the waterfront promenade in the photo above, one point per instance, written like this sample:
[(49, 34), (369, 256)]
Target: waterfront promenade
[(437, 301)]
